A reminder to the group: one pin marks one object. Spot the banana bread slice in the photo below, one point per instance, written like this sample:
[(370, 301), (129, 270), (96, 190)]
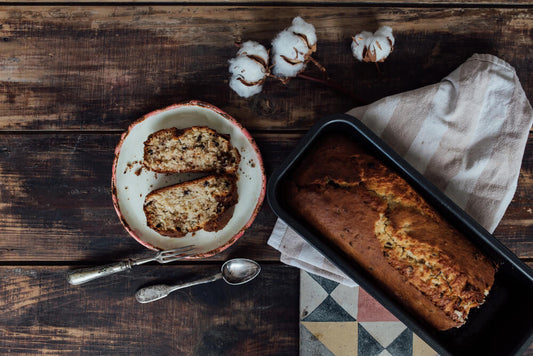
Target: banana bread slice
[(194, 149), (204, 203)]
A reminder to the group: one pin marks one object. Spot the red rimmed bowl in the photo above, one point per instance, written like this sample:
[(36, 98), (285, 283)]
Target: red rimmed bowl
[(131, 182)]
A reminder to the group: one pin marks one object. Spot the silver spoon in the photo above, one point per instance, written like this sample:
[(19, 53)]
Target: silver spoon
[(236, 271)]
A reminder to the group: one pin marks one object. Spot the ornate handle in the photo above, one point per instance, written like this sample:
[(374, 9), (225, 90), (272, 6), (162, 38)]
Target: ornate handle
[(84, 275), (159, 291)]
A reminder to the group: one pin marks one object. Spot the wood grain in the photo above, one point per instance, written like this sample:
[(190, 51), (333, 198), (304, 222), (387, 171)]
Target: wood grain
[(101, 67), (495, 3), (42, 314), (55, 201)]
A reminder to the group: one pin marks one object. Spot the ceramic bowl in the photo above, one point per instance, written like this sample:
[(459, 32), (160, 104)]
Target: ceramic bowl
[(131, 181)]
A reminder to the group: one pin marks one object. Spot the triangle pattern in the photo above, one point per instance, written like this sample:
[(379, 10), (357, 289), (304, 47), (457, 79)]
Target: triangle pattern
[(310, 345), (403, 345), (366, 344), (386, 353), (325, 283), (339, 337), (347, 298), (420, 348), (329, 310), (384, 332), (311, 294), (370, 309)]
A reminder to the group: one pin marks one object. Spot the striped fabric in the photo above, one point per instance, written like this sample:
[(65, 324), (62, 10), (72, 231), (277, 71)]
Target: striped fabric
[(466, 134)]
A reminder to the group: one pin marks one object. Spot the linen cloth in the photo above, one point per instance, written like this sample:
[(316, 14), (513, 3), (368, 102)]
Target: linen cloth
[(465, 134)]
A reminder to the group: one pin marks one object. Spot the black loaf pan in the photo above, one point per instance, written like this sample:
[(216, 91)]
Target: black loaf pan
[(503, 325)]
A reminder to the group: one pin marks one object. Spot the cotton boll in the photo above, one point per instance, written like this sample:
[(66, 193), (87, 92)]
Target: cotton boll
[(242, 89), (374, 47), (283, 68), (379, 49), (249, 69), (292, 48), (288, 54), (386, 32), (252, 48), (360, 43), (289, 45), (299, 26)]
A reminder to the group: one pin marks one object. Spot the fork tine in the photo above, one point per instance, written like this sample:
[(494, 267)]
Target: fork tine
[(175, 254), (174, 258), (176, 250)]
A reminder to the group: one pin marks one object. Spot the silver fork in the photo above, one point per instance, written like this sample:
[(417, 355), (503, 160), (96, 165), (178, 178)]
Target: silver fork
[(84, 275)]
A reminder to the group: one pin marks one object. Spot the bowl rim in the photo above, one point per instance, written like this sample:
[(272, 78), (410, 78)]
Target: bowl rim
[(231, 120)]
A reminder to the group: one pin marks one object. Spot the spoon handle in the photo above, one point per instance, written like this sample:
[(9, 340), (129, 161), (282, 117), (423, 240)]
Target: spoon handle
[(159, 291)]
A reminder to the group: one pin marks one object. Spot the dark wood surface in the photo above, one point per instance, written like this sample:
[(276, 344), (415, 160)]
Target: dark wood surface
[(41, 313), (74, 76)]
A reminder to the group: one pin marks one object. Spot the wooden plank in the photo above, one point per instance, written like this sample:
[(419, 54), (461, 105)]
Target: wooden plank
[(42, 314), (101, 67), (494, 3), (55, 201)]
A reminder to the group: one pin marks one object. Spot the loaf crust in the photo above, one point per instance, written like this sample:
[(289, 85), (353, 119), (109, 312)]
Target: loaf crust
[(384, 225), (194, 149), (205, 203)]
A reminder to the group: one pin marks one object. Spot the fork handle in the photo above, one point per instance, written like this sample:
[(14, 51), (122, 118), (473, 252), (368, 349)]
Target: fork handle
[(84, 275)]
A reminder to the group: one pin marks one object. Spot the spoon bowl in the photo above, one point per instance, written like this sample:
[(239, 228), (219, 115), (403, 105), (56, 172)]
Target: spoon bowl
[(239, 271)]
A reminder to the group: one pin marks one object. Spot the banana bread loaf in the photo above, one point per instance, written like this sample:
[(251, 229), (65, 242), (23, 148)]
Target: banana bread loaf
[(194, 149), (379, 221), (205, 203)]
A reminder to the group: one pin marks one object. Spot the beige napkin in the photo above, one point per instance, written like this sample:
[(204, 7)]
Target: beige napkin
[(466, 134)]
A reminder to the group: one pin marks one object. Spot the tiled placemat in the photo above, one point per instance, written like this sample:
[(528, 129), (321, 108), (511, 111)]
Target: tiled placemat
[(340, 320)]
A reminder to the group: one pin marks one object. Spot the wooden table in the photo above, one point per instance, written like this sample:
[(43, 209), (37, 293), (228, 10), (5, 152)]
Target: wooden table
[(74, 76)]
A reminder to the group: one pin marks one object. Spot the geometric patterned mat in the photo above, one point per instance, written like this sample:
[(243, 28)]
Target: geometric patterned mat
[(341, 321)]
